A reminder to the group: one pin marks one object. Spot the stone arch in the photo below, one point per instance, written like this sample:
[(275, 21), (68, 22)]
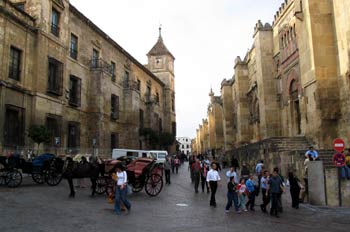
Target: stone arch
[(294, 92)]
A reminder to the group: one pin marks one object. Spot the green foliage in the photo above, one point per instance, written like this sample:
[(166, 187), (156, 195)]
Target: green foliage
[(39, 134), (151, 137), (167, 139)]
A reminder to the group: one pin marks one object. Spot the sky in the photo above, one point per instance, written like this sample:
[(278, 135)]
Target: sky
[(205, 36)]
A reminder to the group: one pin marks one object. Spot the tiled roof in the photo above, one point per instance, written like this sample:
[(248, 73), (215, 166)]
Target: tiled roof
[(160, 49)]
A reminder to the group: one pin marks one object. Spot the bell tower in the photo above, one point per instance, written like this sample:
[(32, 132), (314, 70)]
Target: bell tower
[(161, 64)]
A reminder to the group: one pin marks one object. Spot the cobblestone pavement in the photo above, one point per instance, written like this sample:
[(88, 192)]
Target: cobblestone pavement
[(33, 207)]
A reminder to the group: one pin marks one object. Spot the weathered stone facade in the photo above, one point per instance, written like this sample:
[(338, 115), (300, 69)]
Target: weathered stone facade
[(59, 68), (294, 81)]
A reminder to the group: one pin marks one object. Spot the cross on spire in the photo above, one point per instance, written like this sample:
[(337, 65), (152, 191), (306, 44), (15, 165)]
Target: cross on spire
[(160, 30)]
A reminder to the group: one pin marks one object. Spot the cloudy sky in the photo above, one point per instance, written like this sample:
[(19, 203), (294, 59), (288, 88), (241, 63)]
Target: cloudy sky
[(205, 36)]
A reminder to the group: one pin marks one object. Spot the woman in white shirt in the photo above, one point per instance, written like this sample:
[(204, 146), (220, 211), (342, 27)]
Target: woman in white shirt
[(121, 190), (212, 178)]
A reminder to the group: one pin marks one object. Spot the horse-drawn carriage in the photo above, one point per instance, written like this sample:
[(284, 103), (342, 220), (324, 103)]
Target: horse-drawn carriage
[(142, 173), (44, 168)]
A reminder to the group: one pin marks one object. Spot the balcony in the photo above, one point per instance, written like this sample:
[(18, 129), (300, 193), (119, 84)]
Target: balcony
[(102, 66)]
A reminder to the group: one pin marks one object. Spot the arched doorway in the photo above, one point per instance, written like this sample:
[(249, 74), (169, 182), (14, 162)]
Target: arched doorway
[(295, 107)]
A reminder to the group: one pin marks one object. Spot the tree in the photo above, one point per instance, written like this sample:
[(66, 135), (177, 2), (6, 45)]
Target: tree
[(39, 134), (166, 140)]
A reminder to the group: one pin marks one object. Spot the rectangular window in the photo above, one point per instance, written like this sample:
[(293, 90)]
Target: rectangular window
[(141, 119), (73, 46), (148, 93), (138, 85), (113, 70), (15, 63), (53, 124), (95, 58), (74, 90), (14, 126), (55, 20), (126, 79), (73, 137), (157, 97), (55, 77), (114, 107), (114, 140)]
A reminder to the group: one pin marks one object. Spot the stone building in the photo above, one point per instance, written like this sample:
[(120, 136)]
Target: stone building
[(58, 69), (291, 90)]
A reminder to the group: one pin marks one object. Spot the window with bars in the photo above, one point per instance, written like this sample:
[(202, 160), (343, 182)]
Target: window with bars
[(14, 126), (114, 140), (73, 142), (74, 91), (114, 107), (15, 63), (53, 124), (55, 20), (73, 46), (113, 71), (55, 77)]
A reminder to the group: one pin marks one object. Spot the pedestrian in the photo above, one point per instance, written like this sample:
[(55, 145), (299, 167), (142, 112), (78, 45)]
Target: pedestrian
[(213, 178), (259, 171), (177, 164), (217, 164), (280, 207), (313, 153), (167, 167), (242, 192), (85, 165), (232, 173), (204, 171), (196, 169), (251, 193), (294, 190), (245, 171), (265, 197), (121, 190), (172, 164), (275, 186), (232, 195), (234, 163)]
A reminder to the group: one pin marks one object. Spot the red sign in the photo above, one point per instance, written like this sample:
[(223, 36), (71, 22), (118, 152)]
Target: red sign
[(338, 145), (339, 159)]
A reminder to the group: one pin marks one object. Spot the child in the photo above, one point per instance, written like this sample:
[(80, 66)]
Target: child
[(242, 193)]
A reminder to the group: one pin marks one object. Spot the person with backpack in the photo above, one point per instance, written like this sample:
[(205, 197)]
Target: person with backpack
[(196, 169)]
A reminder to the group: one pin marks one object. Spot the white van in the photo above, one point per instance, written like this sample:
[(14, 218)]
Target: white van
[(159, 155), (117, 153)]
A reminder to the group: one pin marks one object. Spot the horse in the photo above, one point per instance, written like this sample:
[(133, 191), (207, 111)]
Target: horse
[(75, 170)]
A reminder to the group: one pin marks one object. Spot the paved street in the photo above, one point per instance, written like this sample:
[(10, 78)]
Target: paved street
[(34, 207)]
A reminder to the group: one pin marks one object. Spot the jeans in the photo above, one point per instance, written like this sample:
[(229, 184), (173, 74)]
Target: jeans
[(232, 197), (265, 199), (120, 196), (213, 187), (251, 200), (242, 201), (274, 204), (204, 183), (345, 172)]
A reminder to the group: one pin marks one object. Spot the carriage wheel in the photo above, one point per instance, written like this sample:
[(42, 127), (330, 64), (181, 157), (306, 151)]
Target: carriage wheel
[(38, 178), (154, 185), (53, 177), (137, 187), (101, 185), (13, 178)]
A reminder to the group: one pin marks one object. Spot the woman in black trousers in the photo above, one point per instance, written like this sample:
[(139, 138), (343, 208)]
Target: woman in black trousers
[(294, 190)]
